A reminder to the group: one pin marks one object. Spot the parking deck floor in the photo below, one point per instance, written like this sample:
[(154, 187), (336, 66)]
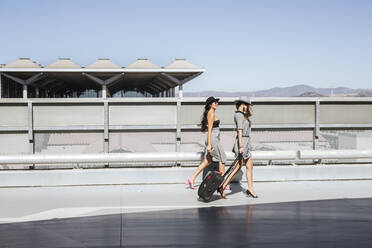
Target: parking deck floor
[(287, 214)]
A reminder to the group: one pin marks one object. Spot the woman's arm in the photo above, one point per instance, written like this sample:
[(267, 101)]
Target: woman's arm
[(210, 118), (239, 121), (240, 142)]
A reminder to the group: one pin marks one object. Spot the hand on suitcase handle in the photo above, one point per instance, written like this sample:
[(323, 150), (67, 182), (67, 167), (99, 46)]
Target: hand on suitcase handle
[(241, 150), (240, 156)]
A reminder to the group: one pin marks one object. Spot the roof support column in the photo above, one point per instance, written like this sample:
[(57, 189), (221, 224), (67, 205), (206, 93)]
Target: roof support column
[(104, 91), (180, 82), (173, 92), (37, 92), (25, 91), (165, 82), (104, 83), (25, 83), (180, 91), (176, 81)]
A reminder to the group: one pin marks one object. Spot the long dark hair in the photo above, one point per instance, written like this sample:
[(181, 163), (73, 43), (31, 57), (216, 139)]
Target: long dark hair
[(246, 114), (204, 119)]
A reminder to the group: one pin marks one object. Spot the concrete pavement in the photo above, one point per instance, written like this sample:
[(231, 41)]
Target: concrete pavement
[(22, 204)]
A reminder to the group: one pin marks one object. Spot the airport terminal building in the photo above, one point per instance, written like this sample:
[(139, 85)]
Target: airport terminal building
[(25, 78)]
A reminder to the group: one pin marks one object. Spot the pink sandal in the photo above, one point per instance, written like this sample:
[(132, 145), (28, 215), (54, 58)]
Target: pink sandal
[(189, 183)]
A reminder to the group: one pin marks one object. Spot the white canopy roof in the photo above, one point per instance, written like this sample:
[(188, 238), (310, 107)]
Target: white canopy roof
[(23, 63), (64, 63), (103, 63), (141, 75)]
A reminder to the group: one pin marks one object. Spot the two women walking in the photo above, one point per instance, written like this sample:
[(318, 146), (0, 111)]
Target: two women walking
[(214, 150)]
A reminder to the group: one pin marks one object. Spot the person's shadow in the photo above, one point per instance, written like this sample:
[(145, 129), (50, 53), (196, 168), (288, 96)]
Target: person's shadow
[(235, 187)]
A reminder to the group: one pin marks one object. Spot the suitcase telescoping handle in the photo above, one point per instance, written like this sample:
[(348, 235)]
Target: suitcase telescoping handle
[(238, 158)]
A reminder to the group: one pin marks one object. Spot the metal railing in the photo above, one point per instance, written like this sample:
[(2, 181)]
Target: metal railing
[(177, 156)]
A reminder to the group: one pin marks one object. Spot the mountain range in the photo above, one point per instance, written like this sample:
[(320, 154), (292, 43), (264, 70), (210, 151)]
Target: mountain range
[(300, 90)]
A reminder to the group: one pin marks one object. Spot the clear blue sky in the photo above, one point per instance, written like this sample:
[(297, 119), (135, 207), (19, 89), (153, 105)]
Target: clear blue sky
[(243, 45)]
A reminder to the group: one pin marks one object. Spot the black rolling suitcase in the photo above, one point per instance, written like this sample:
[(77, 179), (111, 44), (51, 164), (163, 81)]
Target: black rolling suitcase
[(213, 180)]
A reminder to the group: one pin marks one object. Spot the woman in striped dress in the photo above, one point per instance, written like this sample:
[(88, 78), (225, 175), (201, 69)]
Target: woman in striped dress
[(213, 150), (242, 143)]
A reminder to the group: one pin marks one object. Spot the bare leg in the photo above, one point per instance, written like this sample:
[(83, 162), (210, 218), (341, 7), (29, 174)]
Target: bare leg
[(249, 175), (232, 175), (207, 161), (229, 178), (221, 167)]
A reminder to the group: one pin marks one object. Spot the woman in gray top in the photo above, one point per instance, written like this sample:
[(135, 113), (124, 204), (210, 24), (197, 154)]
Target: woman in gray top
[(243, 143), (214, 150)]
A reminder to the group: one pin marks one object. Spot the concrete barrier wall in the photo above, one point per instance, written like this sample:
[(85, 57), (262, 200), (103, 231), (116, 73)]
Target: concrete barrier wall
[(120, 121), (67, 115), (350, 113), (143, 114), (13, 115)]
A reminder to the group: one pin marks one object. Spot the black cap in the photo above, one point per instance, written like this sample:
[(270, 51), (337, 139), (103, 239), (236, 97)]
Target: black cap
[(210, 100)]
